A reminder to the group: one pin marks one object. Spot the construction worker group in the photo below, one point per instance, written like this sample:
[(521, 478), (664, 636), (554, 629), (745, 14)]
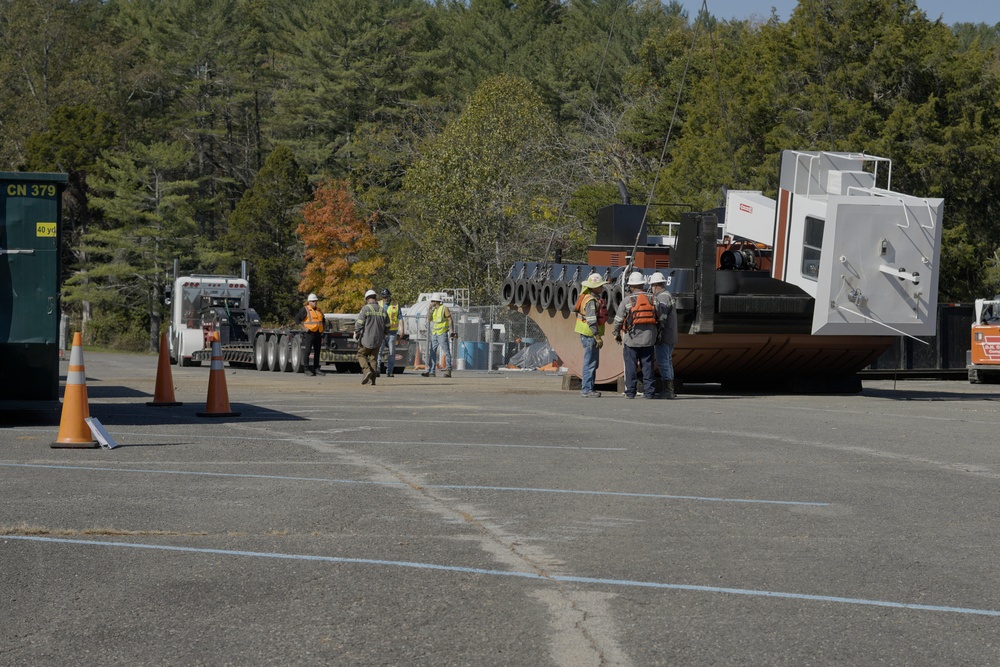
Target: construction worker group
[(645, 325), (377, 329)]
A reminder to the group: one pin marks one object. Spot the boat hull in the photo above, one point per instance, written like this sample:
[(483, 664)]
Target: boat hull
[(745, 359)]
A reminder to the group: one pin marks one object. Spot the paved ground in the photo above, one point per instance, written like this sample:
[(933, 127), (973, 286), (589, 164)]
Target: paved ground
[(494, 519)]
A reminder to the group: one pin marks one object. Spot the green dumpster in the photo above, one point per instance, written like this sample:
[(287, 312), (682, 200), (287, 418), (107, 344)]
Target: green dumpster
[(30, 230)]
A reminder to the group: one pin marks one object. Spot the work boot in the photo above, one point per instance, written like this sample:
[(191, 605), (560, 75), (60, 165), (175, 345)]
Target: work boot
[(369, 377), (668, 389), (428, 374), (447, 373)]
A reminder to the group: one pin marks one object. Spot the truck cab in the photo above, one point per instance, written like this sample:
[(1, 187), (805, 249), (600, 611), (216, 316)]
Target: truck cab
[(201, 305)]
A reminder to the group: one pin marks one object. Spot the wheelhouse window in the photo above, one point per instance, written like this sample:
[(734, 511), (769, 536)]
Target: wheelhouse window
[(812, 245)]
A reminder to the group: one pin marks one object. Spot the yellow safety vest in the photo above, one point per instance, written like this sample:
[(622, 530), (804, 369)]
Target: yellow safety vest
[(392, 310), (440, 320), (314, 319), (581, 317)]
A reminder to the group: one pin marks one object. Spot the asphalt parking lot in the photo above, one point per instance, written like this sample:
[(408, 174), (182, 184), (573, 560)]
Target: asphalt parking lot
[(495, 519)]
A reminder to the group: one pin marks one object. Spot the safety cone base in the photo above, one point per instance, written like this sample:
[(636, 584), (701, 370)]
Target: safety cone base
[(75, 445), (168, 404)]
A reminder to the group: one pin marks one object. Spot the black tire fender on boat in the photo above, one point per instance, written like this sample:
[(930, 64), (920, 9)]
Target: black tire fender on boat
[(521, 293), (508, 291), (533, 291), (546, 294), (560, 292), (572, 295), (614, 300)]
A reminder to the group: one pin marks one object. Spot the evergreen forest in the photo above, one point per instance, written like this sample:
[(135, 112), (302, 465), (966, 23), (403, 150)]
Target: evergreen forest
[(338, 145)]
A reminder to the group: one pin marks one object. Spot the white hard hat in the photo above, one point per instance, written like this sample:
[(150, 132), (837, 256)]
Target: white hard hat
[(594, 280), (313, 297), (657, 278), (436, 296), (636, 278), (371, 293)]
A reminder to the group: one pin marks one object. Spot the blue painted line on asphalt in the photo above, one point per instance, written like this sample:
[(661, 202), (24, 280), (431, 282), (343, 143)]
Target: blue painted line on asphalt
[(624, 494), (521, 575)]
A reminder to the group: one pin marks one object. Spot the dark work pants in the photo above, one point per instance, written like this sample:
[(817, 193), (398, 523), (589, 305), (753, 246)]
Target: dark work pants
[(633, 357), (313, 341)]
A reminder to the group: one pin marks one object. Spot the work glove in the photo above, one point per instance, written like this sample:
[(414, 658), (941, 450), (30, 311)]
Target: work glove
[(454, 335), (598, 342)]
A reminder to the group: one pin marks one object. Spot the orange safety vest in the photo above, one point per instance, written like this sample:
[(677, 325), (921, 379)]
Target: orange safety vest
[(314, 319), (642, 312)]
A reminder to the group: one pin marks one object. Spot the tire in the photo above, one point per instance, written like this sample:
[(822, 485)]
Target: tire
[(546, 294), (534, 290), (508, 291), (521, 293), (260, 352), (297, 364), (559, 291), (272, 353), (572, 295), (284, 353), (614, 300)]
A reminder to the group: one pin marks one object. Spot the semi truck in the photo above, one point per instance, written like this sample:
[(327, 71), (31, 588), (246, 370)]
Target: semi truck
[(983, 362), (203, 305)]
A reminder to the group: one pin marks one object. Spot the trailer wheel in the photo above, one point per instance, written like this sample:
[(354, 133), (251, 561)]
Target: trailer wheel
[(297, 366), (272, 353), (260, 352), (284, 353)]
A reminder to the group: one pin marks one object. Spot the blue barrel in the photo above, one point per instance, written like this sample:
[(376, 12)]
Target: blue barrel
[(475, 355)]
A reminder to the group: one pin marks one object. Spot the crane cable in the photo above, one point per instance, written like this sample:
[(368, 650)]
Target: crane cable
[(630, 264)]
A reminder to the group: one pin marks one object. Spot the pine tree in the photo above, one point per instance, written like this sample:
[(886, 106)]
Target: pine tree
[(262, 231), (147, 222)]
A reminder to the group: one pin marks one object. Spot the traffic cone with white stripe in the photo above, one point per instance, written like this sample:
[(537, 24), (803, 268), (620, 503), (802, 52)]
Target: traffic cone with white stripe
[(73, 430), (217, 404), (163, 394)]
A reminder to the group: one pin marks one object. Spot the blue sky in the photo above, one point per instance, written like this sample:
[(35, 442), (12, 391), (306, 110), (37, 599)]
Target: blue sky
[(951, 11)]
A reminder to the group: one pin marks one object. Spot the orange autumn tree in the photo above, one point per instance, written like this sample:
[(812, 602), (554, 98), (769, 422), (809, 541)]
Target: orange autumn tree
[(340, 249)]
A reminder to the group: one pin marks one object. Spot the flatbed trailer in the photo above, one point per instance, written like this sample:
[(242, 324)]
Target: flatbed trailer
[(282, 349)]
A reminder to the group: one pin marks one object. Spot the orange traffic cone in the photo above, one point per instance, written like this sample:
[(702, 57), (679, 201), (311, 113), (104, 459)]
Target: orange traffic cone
[(217, 404), (73, 430), (417, 363), (163, 395)]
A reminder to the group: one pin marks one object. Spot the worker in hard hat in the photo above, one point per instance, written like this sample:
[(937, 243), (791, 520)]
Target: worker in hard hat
[(311, 319), (442, 331), (591, 316), (393, 332), (369, 331), (666, 339), (635, 326)]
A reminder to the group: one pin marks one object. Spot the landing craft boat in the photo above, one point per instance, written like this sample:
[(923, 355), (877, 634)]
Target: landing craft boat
[(799, 293)]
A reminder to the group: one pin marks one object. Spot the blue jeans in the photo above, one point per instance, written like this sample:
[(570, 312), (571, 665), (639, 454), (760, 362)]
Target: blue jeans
[(390, 340), (438, 342), (591, 358), (633, 357), (665, 360)]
